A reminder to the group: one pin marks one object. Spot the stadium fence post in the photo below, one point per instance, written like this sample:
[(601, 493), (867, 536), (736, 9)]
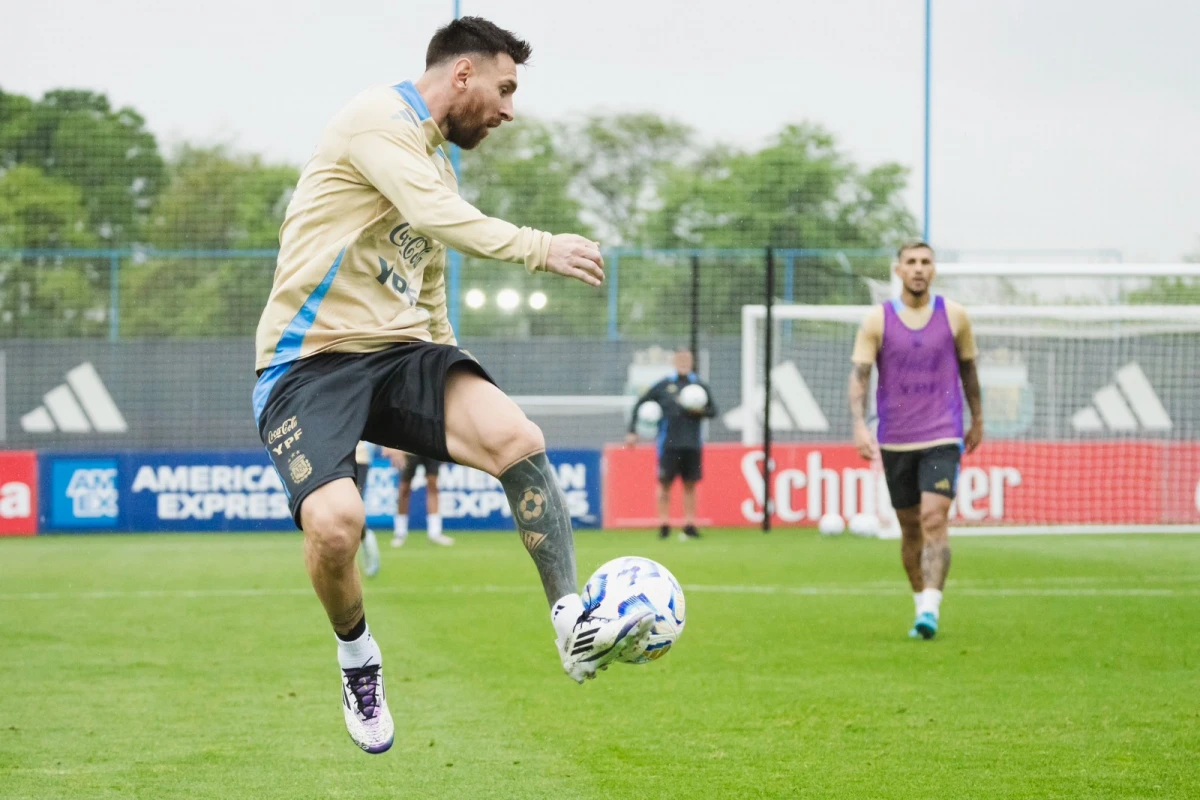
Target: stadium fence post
[(695, 332), (767, 345), (114, 296), (614, 263)]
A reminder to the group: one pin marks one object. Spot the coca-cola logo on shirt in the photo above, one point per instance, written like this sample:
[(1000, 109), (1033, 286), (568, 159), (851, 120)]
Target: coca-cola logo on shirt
[(411, 246)]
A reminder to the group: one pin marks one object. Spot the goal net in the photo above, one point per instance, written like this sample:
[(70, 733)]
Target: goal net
[(1092, 411)]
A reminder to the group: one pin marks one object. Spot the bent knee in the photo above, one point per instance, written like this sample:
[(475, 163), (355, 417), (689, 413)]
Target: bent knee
[(334, 528), (519, 441)]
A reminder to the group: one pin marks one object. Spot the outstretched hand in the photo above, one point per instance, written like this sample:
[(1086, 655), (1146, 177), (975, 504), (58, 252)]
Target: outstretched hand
[(576, 257)]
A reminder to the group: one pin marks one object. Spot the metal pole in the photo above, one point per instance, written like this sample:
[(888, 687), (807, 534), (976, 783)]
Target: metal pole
[(695, 338), (928, 82), (768, 506), (114, 297), (611, 276), (453, 257)]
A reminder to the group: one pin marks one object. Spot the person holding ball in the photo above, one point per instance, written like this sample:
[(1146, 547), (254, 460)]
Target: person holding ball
[(686, 402)]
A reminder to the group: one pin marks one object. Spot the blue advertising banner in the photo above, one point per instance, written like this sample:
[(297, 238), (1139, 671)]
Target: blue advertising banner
[(79, 493), (240, 491), (216, 491), (472, 500)]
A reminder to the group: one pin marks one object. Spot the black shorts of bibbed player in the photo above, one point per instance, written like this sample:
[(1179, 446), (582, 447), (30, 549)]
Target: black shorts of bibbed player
[(312, 414), (930, 469)]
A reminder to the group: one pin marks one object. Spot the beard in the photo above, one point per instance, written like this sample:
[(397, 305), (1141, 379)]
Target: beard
[(468, 127), (917, 292)]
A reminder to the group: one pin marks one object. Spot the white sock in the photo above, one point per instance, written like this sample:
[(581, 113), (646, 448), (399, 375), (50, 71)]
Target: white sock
[(400, 525), (360, 653), (930, 601), (433, 523), (917, 601), (565, 614)]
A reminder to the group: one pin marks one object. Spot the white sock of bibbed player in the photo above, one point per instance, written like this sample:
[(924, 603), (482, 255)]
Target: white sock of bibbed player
[(361, 652), (564, 614), (929, 601), (433, 523), (400, 525)]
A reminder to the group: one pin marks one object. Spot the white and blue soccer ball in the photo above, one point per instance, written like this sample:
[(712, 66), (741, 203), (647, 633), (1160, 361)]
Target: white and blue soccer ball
[(630, 583), (693, 397), (649, 414)]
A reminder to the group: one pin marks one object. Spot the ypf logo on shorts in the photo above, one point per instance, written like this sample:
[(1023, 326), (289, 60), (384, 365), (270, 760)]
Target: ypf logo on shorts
[(283, 437)]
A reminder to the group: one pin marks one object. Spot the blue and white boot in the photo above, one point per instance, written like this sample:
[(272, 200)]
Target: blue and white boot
[(925, 626)]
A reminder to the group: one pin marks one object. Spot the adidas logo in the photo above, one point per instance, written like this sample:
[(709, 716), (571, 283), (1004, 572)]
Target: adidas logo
[(793, 407), (943, 485), (1129, 404), (80, 405)]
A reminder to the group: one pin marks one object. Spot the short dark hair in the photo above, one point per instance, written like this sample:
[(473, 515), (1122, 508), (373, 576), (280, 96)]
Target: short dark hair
[(475, 35), (913, 245)]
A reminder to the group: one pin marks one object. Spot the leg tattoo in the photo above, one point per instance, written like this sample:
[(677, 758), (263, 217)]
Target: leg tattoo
[(935, 564), (911, 548), (345, 620), (540, 511)]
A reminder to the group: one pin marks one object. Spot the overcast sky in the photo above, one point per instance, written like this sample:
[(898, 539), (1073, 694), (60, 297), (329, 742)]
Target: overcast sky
[(1056, 123)]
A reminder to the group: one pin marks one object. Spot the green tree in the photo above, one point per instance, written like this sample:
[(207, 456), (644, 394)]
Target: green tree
[(622, 161), (75, 136), (43, 294), (216, 200), (800, 191), (521, 174)]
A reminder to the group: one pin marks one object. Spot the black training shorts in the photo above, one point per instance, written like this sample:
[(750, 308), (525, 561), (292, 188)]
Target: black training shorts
[(910, 472), (361, 471), (411, 463), (679, 462), (316, 411)]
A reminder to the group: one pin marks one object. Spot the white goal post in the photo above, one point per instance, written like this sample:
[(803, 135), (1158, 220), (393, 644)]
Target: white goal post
[(1092, 406)]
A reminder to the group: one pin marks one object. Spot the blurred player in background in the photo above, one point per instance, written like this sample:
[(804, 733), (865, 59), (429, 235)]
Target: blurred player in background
[(355, 343), (408, 464), (680, 442), (923, 347), (364, 453)]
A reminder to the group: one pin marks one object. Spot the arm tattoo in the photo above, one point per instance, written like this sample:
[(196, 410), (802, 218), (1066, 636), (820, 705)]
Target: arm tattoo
[(544, 522), (971, 390), (860, 381)]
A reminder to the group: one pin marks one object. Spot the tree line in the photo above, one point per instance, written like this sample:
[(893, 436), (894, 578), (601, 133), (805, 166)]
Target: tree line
[(78, 173)]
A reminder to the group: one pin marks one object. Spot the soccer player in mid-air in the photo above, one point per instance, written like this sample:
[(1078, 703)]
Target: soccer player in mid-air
[(408, 464), (355, 343), (680, 444), (923, 347)]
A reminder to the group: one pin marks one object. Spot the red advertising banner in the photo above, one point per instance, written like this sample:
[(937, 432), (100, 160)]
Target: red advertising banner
[(1020, 483), (18, 493)]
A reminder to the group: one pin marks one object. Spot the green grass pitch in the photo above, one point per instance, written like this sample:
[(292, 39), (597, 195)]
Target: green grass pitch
[(202, 667)]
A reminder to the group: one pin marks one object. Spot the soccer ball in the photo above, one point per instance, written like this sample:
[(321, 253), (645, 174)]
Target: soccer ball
[(693, 397), (630, 583), (649, 414), (864, 525), (831, 525)]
